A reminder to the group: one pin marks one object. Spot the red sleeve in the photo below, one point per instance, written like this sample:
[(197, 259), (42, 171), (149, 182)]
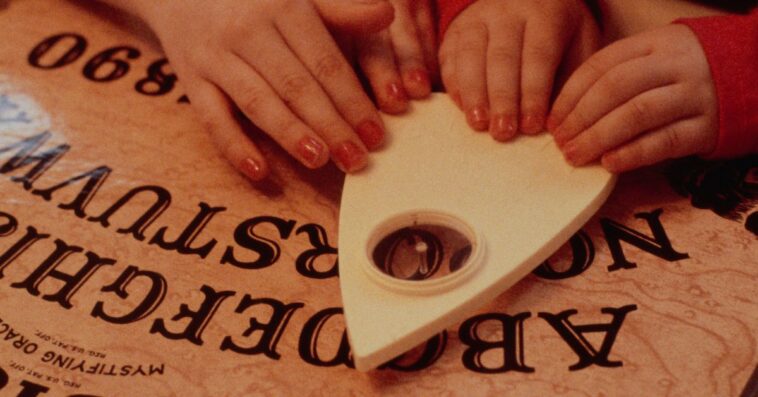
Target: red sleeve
[(731, 47), (448, 10)]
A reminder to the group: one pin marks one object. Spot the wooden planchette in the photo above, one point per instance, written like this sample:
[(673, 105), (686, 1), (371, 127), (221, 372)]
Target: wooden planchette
[(446, 219)]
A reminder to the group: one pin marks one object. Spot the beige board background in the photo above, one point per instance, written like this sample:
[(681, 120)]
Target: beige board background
[(693, 332)]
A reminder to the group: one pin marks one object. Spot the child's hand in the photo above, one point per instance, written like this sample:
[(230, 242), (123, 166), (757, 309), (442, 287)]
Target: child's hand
[(277, 63), (499, 59), (639, 101), (401, 61)]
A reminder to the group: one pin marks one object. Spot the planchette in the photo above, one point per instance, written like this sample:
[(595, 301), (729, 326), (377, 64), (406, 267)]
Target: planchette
[(444, 220)]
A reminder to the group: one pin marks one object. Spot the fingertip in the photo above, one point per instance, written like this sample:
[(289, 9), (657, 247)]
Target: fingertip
[(350, 157), (371, 134), (417, 83), (381, 15), (312, 152), (571, 153), (478, 117), (254, 169), (394, 99), (532, 123), (503, 127)]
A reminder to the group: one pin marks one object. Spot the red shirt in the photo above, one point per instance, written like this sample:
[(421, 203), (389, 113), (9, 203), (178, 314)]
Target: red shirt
[(731, 46)]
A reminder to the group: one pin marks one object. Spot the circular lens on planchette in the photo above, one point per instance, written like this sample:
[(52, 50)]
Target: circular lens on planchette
[(422, 250)]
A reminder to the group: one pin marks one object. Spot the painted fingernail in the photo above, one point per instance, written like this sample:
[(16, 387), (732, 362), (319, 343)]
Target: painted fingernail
[(419, 76), (530, 124), (397, 92), (349, 156), (371, 134), (252, 169), (311, 151), (478, 117), (503, 127)]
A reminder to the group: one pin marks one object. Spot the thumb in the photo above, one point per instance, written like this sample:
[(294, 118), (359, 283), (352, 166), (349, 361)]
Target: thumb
[(356, 16)]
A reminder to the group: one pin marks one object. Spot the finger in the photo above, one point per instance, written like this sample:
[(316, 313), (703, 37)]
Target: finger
[(356, 16), (426, 29), (219, 120), (409, 54), (678, 139), (377, 61), (585, 42), (272, 58), (647, 111), (267, 111), (447, 67), (620, 84), (300, 30), (471, 74), (542, 52), (591, 70), (295, 86), (504, 78)]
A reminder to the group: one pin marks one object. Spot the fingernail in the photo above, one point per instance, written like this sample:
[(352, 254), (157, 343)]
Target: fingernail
[(349, 156), (531, 124), (397, 92), (503, 127), (478, 117), (371, 134), (419, 76), (252, 169), (311, 151)]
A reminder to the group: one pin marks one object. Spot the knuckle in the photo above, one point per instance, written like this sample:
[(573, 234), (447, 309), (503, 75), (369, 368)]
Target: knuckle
[(541, 52), (502, 95), (672, 140), (501, 55), (472, 35), (328, 66), (252, 101), (293, 86), (240, 24), (638, 111)]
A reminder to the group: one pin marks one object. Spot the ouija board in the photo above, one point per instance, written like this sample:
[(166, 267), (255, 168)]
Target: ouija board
[(135, 261)]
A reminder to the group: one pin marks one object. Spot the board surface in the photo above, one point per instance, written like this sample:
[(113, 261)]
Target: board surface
[(196, 282)]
